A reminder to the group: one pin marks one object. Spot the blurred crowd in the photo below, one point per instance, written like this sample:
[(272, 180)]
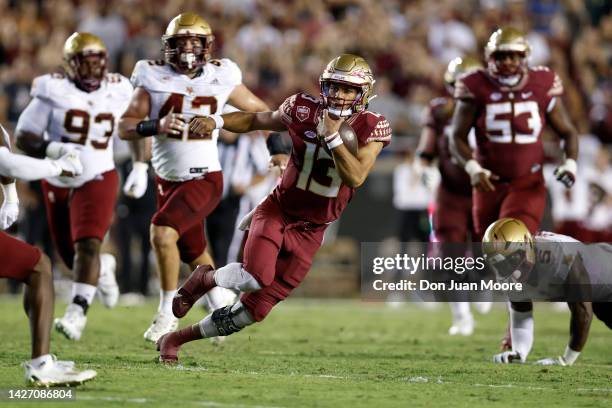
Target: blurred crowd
[(282, 45)]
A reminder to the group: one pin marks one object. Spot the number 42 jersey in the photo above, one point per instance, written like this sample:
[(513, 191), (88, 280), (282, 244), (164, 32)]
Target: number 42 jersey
[(311, 188), (188, 155), (61, 112)]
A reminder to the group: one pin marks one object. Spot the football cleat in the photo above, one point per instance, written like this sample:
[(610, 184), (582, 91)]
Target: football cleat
[(483, 307), (463, 327), (108, 290), (162, 324), (72, 323), (54, 373), (199, 282), (168, 350)]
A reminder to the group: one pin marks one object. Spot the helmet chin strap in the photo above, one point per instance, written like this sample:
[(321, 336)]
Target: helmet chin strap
[(340, 112)]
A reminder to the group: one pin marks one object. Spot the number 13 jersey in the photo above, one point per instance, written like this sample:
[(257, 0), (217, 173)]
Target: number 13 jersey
[(311, 188), (186, 156)]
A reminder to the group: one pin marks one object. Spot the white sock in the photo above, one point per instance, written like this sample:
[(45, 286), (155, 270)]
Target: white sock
[(165, 301), (234, 276), (460, 311), (242, 319), (218, 297), (521, 330), (84, 290), (40, 360)]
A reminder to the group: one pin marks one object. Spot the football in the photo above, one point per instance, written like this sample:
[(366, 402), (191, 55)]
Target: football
[(349, 138)]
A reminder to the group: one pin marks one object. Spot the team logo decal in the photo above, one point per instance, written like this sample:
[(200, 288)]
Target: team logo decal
[(302, 113), (310, 134), (496, 96)]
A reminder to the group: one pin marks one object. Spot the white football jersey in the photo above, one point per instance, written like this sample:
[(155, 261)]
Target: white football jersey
[(555, 255), (188, 156), (62, 112)]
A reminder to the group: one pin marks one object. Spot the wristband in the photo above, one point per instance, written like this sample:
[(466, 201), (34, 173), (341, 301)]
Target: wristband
[(10, 193), (334, 140), (219, 122), (147, 127), (275, 144), (473, 167), (140, 166), (570, 356)]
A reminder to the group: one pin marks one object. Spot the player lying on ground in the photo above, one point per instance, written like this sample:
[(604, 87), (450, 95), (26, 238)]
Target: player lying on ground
[(287, 228), (557, 266), (29, 265)]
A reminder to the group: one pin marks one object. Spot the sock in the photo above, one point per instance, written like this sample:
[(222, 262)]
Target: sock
[(83, 294), (521, 329), (185, 335), (165, 301), (218, 297), (40, 360), (460, 311), (234, 276)]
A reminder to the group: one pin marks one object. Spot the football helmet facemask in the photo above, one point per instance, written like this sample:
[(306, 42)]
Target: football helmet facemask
[(85, 59), (509, 249), (506, 54), (187, 26), (457, 67), (349, 70)]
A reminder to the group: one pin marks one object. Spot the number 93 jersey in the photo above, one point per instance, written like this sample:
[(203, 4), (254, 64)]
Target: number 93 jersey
[(510, 121), (61, 112), (189, 155)]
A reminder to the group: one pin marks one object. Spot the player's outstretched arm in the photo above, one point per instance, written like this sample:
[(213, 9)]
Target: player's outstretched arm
[(239, 122), (563, 126)]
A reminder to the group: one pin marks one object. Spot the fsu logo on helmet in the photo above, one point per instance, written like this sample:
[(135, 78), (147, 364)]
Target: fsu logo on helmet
[(85, 59), (503, 45), (351, 70), (182, 58)]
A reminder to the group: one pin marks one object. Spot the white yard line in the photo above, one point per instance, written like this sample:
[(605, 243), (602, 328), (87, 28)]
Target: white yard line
[(203, 403)]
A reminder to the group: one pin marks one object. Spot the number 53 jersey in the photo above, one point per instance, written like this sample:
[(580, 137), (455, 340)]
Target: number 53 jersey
[(510, 121), (188, 155), (61, 112), (311, 189)]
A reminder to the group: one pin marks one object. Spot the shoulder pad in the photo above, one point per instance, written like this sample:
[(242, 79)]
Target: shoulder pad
[(227, 71), (42, 86)]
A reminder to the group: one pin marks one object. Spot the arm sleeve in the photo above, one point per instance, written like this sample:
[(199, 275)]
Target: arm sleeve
[(35, 117), (26, 168)]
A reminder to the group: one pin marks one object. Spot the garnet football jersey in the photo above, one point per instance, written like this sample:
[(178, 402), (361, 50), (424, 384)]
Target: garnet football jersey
[(510, 120), (64, 113), (311, 188), (186, 156)]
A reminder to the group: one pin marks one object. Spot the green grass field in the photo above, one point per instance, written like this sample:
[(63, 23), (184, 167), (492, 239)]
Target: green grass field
[(320, 354)]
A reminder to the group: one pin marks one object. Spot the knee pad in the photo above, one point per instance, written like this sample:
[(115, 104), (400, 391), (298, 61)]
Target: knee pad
[(231, 319)]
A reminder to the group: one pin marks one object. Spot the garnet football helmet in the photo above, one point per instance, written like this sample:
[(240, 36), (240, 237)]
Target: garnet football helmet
[(183, 26), (457, 67), (509, 249), (351, 70), (505, 41), (85, 59)]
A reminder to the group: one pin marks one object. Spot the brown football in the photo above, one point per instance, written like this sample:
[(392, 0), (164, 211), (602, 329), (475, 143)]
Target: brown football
[(349, 138)]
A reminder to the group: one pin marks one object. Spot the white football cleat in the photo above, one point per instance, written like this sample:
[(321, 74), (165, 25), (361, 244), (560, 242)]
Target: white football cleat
[(464, 327), (73, 322), (54, 373), (108, 290), (163, 323)]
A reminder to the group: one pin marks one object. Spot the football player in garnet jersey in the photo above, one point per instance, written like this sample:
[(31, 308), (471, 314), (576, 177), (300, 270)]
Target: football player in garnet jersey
[(287, 228), (508, 104), (452, 216), (558, 267), (79, 110), (29, 265), (168, 96)]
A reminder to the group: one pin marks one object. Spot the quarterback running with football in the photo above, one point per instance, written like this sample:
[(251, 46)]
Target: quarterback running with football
[(287, 228), (29, 265), (551, 266), (79, 110), (169, 95)]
